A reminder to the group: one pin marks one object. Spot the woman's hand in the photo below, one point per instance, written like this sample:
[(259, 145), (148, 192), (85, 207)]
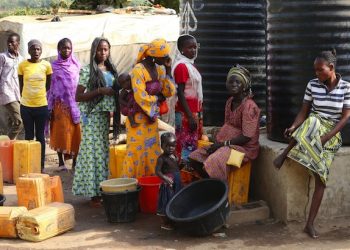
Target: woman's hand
[(106, 91), (289, 131), (214, 147), (192, 124)]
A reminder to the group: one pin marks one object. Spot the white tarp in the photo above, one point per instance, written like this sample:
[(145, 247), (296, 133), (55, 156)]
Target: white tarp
[(119, 29)]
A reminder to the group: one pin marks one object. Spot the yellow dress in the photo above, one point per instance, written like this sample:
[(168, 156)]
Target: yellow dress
[(143, 146)]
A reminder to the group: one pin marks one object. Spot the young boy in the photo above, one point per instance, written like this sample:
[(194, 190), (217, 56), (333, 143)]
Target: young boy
[(9, 85)]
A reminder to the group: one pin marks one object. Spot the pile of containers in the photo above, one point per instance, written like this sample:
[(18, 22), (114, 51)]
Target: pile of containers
[(41, 212)]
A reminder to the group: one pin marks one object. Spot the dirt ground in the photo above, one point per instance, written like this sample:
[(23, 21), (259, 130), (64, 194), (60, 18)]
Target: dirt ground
[(92, 231)]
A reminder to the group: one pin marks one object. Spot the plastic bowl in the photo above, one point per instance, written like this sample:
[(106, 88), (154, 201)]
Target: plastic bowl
[(119, 185)]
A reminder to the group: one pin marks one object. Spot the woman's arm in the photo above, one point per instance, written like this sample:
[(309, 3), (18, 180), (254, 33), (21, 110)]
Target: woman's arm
[(345, 117), (168, 86), (301, 117), (20, 80), (48, 82), (82, 96), (184, 104)]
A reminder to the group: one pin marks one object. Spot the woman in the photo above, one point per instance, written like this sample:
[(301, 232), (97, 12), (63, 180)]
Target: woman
[(34, 77), (153, 69), (240, 131), (97, 96), (65, 115), (188, 116), (314, 135)]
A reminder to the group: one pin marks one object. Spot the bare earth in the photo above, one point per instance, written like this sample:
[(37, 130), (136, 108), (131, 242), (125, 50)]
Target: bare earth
[(92, 231)]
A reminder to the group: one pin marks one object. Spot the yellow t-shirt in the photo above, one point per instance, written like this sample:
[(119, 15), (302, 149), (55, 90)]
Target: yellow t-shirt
[(34, 82)]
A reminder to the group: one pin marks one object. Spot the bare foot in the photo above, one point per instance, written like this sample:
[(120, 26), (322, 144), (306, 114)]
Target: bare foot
[(278, 161), (310, 230)]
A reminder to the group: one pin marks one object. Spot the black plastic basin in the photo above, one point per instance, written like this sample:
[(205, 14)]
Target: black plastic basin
[(200, 208)]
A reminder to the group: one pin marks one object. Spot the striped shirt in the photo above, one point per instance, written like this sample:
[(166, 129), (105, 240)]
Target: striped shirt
[(328, 104)]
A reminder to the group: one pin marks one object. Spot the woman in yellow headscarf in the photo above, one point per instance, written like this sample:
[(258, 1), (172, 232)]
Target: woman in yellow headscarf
[(152, 71)]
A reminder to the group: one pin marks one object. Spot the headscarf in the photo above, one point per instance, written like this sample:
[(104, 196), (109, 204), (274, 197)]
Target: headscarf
[(157, 48), (243, 75), (34, 42), (97, 79), (64, 82), (194, 75)]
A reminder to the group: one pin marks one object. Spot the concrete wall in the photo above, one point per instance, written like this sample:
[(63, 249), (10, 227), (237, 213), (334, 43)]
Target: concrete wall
[(288, 191)]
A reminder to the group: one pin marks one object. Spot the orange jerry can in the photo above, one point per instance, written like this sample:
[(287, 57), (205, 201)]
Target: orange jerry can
[(33, 190), (8, 220), (116, 157), (238, 183), (6, 159), (45, 222), (26, 158), (56, 189)]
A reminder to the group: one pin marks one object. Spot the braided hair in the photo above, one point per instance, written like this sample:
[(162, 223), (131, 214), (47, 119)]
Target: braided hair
[(330, 56)]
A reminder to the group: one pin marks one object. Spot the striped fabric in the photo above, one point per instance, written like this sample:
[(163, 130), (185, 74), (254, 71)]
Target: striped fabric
[(309, 151), (328, 104)]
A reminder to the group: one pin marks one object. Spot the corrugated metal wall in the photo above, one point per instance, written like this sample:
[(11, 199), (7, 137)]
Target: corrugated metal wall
[(296, 32), (229, 32)]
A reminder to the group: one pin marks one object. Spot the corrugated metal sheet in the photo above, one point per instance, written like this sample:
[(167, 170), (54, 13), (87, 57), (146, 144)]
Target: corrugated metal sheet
[(296, 32), (229, 32)]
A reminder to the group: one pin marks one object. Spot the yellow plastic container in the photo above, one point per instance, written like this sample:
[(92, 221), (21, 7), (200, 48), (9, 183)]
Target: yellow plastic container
[(8, 220), (238, 183), (26, 158), (202, 144), (119, 185), (116, 157), (46, 222), (56, 189), (33, 190)]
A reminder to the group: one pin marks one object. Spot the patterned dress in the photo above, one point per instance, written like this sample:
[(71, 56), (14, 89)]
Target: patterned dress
[(143, 147), (244, 120), (187, 140), (93, 157)]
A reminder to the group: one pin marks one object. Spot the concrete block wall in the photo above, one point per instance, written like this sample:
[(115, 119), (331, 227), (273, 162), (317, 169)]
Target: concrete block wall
[(288, 191)]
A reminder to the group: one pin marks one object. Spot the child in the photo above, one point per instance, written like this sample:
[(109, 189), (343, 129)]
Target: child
[(167, 169), (126, 98), (128, 105)]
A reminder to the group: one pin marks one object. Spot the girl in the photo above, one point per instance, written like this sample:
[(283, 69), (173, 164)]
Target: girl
[(153, 70), (240, 130), (65, 115), (314, 135), (168, 170), (34, 77), (97, 99), (188, 116)]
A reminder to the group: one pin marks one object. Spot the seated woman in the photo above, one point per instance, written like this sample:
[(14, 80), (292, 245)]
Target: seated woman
[(240, 131), (314, 135)]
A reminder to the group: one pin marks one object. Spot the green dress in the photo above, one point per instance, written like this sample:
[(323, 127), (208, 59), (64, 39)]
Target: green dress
[(93, 157)]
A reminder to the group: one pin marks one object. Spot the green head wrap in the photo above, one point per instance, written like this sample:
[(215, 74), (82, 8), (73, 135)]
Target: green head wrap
[(242, 74)]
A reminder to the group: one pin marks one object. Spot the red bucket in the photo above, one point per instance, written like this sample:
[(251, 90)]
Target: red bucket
[(149, 193)]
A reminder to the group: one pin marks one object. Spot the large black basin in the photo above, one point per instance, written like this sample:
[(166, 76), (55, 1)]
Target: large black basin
[(200, 208)]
